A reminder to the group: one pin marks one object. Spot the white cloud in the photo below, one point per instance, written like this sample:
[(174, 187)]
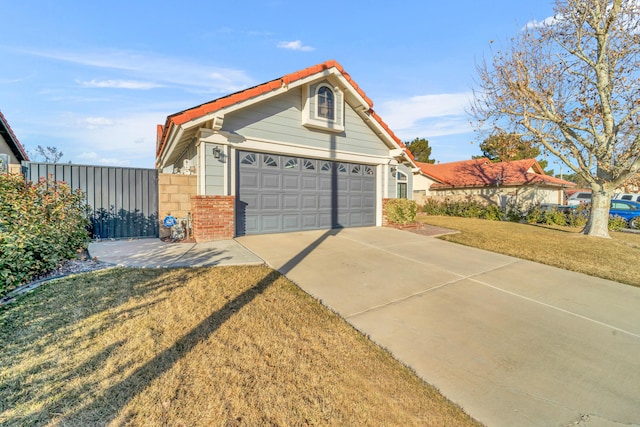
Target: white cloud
[(123, 139), (295, 45), (119, 84), (547, 22), (163, 70), (95, 159), (405, 113)]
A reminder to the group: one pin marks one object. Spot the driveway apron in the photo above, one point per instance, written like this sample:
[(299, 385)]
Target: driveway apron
[(515, 343)]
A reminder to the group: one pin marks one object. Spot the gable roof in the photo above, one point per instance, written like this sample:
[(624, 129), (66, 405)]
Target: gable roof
[(201, 113), (482, 173), (12, 140)]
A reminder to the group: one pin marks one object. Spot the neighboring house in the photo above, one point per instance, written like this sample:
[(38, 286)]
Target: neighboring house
[(11, 151), (520, 181), (305, 151)]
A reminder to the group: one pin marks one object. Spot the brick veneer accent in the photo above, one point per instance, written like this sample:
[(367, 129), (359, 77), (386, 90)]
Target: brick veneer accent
[(213, 217), (385, 220)]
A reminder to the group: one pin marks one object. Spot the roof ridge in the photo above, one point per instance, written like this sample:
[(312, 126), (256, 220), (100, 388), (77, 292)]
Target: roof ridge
[(201, 110)]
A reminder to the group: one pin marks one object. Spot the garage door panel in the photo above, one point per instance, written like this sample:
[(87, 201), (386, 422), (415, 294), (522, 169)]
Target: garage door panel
[(309, 220), (309, 201), (291, 201), (290, 222), (252, 224), (369, 185), (290, 182), (270, 181), (283, 193), (251, 201), (250, 180), (309, 183), (270, 202), (270, 223), (324, 183), (324, 201), (355, 202), (368, 203)]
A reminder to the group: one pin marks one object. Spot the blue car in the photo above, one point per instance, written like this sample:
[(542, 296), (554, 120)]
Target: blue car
[(628, 210)]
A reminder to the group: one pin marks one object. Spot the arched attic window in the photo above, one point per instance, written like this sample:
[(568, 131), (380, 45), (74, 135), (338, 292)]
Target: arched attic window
[(323, 106), (326, 103)]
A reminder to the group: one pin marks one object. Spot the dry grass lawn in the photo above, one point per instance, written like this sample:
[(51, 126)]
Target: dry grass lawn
[(614, 259), (187, 347)]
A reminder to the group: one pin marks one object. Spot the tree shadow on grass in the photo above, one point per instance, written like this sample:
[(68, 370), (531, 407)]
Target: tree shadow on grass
[(94, 406)]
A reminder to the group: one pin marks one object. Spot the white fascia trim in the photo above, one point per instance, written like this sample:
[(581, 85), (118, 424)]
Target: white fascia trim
[(202, 185), (297, 150), (347, 87), (175, 135), (381, 178)]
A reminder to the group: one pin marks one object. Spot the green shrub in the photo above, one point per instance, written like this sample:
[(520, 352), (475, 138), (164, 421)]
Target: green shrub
[(554, 217), (434, 207), (534, 216), (41, 224), (493, 213), (617, 223), (514, 212), (401, 211), (578, 217)]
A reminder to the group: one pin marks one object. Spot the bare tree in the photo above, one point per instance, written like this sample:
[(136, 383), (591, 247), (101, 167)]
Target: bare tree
[(50, 154), (572, 85)]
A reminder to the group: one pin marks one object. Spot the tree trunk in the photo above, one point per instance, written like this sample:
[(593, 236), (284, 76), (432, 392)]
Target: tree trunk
[(598, 224)]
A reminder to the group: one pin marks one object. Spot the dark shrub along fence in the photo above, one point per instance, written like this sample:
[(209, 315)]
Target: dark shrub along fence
[(123, 201), (41, 224)]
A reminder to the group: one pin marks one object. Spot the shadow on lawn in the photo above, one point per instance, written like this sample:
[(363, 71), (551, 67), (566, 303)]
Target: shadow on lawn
[(118, 396)]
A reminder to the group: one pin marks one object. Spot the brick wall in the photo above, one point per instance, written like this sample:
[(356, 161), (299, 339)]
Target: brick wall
[(385, 220), (174, 197), (213, 217)]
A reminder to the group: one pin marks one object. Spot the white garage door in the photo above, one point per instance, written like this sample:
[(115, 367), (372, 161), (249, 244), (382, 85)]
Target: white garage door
[(281, 193)]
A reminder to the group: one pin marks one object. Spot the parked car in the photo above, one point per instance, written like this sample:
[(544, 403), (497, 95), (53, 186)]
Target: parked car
[(579, 197), (628, 210), (634, 197)]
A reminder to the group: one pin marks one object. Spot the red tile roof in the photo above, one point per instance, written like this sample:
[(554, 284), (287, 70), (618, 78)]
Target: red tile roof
[(483, 173), (234, 98), (13, 139)]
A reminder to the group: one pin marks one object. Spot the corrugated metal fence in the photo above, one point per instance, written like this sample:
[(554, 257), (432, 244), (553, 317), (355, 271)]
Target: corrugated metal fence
[(123, 201)]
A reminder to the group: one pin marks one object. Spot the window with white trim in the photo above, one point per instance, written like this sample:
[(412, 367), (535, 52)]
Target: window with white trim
[(325, 103), (401, 179), (323, 107)]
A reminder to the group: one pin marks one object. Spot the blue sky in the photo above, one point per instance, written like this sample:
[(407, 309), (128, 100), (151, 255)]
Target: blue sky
[(95, 78)]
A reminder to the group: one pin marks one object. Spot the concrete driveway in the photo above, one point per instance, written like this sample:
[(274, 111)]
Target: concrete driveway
[(513, 342)]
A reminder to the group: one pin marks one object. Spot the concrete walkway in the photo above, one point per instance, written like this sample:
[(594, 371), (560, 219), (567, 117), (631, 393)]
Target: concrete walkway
[(513, 342), (154, 253)]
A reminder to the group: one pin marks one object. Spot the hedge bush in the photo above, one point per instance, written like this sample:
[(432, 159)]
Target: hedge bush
[(575, 217), (41, 225), (401, 211)]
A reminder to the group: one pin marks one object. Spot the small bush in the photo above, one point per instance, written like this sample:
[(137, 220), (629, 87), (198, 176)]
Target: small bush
[(617, 223), (493, 213), (401, 211), (534, 216), (41, 224), (578, 217), (434, 207), (515, 212), (554, 217)]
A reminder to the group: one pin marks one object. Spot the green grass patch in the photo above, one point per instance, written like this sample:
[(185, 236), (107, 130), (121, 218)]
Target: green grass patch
[(564, 247), (208, 346)]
